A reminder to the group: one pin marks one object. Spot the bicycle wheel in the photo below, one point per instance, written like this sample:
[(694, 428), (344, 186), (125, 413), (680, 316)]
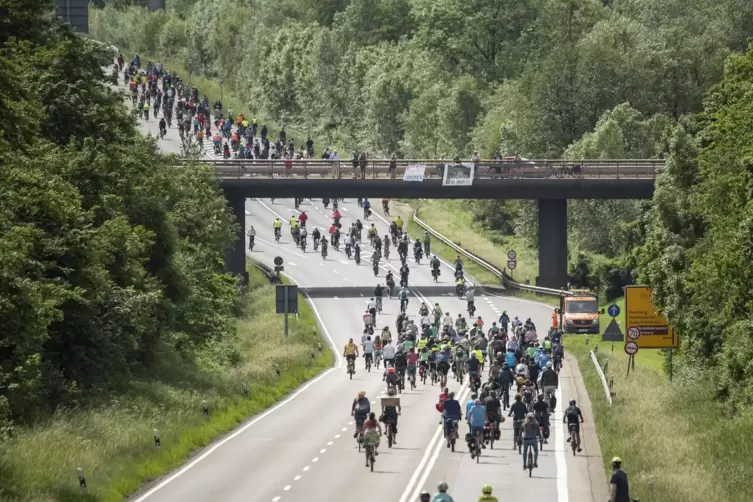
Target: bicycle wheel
[(560, 173), (530, 463), (390, 438)]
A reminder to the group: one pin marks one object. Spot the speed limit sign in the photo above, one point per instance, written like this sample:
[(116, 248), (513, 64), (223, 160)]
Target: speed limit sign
[(512, 255), (633, 332)]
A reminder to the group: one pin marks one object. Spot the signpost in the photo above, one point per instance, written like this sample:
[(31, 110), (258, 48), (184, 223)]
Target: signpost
[(631, 348), (512, 261), (646, 326), (613, 333), (278, 266), (286, 301)]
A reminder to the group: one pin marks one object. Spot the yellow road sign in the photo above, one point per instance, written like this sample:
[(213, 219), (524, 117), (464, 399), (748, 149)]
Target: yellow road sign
[(645, 326)]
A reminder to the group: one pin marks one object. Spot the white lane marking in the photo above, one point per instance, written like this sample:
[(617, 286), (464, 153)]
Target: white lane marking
[(338, 357), (350, 423), (330, 443), (345, 429), (559, 453), (345, 208), (335, 298), (345, 278), (275, 499), (315, 459), (323, 450), (281, 247), (248, 213), (336, 272), (306, 468), (337, 436), (291, 263), (235, 434), (436, 444), (344, 262), (287, 487), (297, 478)]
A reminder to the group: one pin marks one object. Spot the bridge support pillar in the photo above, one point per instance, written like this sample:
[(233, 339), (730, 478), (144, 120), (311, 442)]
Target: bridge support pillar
[(552, 243), (155, 5), (235, 257)]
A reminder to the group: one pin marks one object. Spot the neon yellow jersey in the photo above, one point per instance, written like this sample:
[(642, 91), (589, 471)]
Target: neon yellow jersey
[(479, 356), (293, 221), (421, 343), (487, 498), (548, 344), (277, 224)]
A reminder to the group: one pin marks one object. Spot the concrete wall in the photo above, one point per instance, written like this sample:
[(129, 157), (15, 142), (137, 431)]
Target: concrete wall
[(75, 12)]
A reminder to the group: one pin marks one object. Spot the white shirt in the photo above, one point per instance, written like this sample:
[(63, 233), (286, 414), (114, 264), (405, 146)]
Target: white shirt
[(388, 351), (521, 369), (251, 232), (426, 320), (368, 347), (447, 320), (512, 344), (371, 304)]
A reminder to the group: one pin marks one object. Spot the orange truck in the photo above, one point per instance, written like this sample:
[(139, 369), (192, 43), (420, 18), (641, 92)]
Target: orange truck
[(579, 313)]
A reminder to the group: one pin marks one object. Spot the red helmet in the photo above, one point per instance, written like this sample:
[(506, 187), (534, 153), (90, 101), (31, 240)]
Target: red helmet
[(391, 370)]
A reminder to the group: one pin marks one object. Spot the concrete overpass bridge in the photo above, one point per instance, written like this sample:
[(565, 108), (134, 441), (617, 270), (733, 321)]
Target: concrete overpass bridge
[(551, 182)]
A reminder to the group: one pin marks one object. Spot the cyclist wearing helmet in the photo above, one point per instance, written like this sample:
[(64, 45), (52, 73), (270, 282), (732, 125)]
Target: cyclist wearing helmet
[(425, 496), (571, 417), (441, 495), (486, 494), (391, 409), (391, 378)]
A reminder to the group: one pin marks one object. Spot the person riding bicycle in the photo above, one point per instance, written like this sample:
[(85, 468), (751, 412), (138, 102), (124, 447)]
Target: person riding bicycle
[(351, 351), (530, 433), (451, 411), (473, 366), (411, 358), (477, 419), (372, 431), (441, 495), (458, 265), (391, 378), (401, 363), (372, 231), (390, 410), (549, 380), (368, 350), (403, 295), (417, 250), (443, 360), (424, 497), (505, 378), (302, 236), (573, 417), (518, 410), (366, 206), (435, 264), (251, 236), (486, 494), (541, 413), (493, 409), (360, 410)]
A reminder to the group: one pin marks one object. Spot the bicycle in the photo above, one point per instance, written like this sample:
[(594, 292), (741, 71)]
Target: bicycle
[(517, 425), (412, 379), (572, 170), (390, 433), (452, 438), (370, 458), (379, 304), (493, 432), (505, 398), (351, 367), (368, 363), (573, 437), (377, 358), (529, 465)]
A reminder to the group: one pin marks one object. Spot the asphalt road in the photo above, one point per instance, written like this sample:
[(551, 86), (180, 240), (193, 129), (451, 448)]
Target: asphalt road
[(303, 448)]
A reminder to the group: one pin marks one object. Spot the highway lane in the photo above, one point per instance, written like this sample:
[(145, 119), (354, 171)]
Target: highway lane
[(304, 449)]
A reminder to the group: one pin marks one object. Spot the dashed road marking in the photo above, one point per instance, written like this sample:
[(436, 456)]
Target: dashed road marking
[(323, 450), (287, 487), (297, 478), (315, 459)]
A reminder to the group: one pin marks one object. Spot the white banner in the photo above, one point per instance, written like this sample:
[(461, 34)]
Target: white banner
[(414, 172), (458, 174)]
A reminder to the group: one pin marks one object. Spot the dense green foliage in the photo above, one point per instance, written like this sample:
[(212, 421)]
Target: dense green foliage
[(108, 253), (699, 247)]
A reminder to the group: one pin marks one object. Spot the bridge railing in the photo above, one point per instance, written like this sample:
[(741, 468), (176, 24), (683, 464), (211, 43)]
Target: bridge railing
[(434, 169), (504, 279)]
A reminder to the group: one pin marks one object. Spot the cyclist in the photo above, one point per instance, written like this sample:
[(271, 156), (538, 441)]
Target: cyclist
[(530, 434), (450, 412), (442, 496), (368, 350), (350, 352), (390, 410), (541, 413), (477, 420), (293, 221), (443, 362), (424, 497), (403, 295), (412, 359), (549, 380), (277, 226), (571, 417), (388, 351), (493, 409), (473, 366), (486, 494), (469, 299), (370, 434), (251, 237), (391, 378), (360, 410)]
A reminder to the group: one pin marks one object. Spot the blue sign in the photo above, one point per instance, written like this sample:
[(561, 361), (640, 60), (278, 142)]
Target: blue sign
[(613, 310)]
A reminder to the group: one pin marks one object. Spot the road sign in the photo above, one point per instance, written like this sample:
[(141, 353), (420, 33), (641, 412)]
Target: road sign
[(631, 348), (613, 333), (654, 332), (278, 260), (511, 264), (613, 310), (286, 299), (633, 332), (512, 255)]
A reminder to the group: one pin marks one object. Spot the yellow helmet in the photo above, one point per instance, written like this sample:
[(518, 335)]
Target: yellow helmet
[(486, 489)]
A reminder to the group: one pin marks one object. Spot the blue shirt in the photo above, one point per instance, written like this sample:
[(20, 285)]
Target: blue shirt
[(468, 407), (452, 409), (473, 364), (543, 360), (510, 359), (477, 415), (443, 358), (442, 497)]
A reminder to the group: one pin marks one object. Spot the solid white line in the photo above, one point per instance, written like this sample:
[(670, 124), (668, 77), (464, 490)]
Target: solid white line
[(335, 350), (232, 436), (559, 453)]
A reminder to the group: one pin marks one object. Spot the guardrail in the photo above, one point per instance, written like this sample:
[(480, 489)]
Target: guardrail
[(504, 279), (434, 169), (266, 270), (602, 376)]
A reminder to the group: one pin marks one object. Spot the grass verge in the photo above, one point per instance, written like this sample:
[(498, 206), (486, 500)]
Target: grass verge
[(675, 433), (113, 442)]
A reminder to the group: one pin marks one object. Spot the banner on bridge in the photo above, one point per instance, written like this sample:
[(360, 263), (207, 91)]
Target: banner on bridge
[(458, 174), (414, 172)]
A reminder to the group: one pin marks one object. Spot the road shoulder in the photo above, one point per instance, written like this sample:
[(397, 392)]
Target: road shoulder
[(586, 478)]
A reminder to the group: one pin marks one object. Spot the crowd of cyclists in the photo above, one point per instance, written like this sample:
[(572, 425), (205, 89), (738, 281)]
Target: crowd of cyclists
[(504, 359)]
